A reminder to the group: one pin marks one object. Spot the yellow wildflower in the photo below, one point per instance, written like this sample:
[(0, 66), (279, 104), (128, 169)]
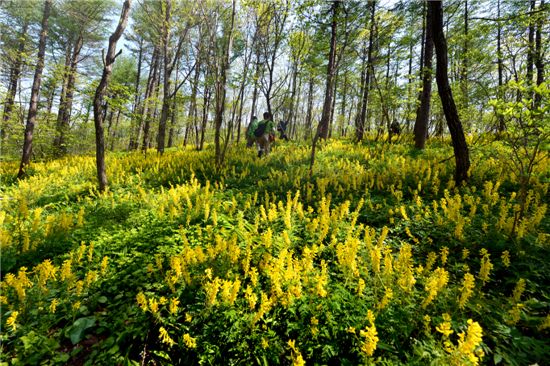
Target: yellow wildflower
[(505, 258), (444, 254), (104, 264), (445, 327), (468, 285), (53, 305), (189, 341), (153, 305), (546, 323), (142, 301), (173, 308), (467, 344), (518, 290), (368, 346), (12, 319), (486, 266), (386, 299), (165, 337)]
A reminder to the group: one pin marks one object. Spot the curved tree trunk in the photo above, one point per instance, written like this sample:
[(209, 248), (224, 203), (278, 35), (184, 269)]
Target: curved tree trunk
[(460, 147), (31, 119), (100, 93)]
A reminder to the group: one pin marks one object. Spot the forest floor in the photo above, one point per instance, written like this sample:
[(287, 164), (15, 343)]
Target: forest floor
[(378, 258)]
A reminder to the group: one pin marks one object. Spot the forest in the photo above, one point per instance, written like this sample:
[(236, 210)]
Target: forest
[(391, 211)]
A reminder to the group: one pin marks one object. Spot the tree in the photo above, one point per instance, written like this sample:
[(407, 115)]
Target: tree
[(77, 25), (460, 147), (423, 112), (366, 79), (222, 67), (109, 60), (31, 119), (322, 128)]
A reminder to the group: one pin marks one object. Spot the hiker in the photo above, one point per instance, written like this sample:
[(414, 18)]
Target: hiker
[(281, 128), (264, 134), (250, 138), (395, 129)]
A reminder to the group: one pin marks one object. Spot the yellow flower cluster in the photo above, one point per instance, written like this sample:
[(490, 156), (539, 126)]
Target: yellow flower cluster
[(486, 266), (436, 282), (370, 335), (467, 289), (297, 359)]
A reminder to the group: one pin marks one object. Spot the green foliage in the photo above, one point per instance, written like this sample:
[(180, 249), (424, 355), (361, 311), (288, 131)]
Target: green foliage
[(178, 263)]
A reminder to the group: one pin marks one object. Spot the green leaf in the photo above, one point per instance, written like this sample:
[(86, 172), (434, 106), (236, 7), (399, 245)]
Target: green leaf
[(102, 300), (76, 331)]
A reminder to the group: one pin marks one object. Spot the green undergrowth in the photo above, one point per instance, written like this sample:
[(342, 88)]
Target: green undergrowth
[(371, 260)]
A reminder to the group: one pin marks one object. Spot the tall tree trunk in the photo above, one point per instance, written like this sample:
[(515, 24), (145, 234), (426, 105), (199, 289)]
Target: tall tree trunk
[(539, 59), (343, 105), (531, 45), (207, 95), (293, 120), (501, 124), (322, 130), (35, 93), (136, 118), (410, 86), (62, 97), (192, 115), (309, 113), (65, 109), (255, 90), (148, 101), (223, 68), (167, 71), (15, 74), (100, 94), (333, 104), (423, 112), (173, 122), (365, 97), (464, 66), (449, 108), (291, 113)]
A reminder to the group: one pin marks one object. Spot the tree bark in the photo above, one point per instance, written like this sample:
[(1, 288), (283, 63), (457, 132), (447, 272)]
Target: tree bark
[(309, 113), (322, 130), (539, 59), (100, 93), (223, 68), (500, 65), (464, 66), (460, 147), (531, 46), (136, 119), (166, 80), (35, 93), (423, 112), (15, 74), (192, 115), (147, 107), (65, 108), (365, 97)]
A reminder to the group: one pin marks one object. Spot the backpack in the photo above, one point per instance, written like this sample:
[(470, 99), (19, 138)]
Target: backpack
[(260, 129)]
